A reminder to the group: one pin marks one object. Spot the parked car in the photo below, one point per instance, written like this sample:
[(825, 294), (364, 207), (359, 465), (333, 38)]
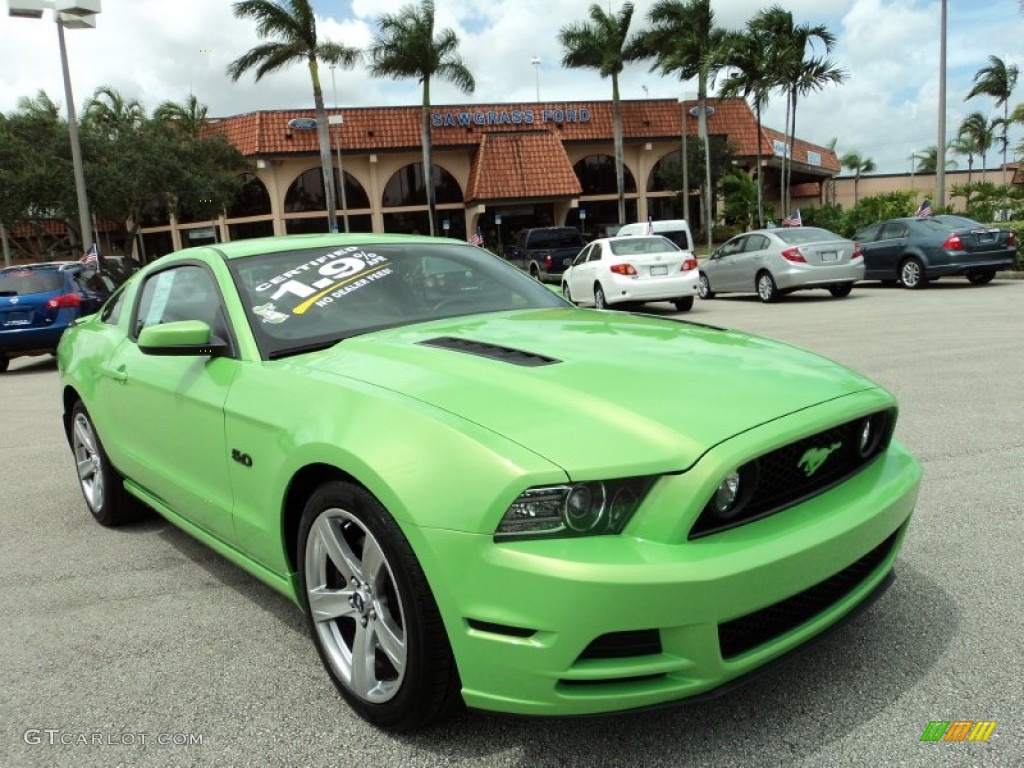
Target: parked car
[(914, 251), (616, 270), (39, 301), (676, 230), (545, 252), (477, 492), (774, 262)]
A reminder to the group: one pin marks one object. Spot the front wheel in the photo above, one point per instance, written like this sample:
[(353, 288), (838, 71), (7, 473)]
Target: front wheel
[(600, 302), (912, 274), (103, 489), (566, 293), (371, 613), (704, 287), (766, 288), (981, 278), (684, 304), (840, 291)]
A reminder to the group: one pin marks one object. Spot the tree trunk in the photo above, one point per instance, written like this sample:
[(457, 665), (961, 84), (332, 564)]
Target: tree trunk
[(428, 158), (703, 96), (760, 185), (620, 182), (324, 138)]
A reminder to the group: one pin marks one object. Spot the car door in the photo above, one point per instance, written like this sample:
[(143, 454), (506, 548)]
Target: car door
[(886, 253), (749, 260), (171, 441), (725, 273), (579, 288)]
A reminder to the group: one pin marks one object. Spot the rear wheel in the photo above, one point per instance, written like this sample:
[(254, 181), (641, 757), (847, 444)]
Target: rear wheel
[(371, 612), (766, 288), (841, 290), (101, 486), (704, 287), (535, 272), (4, 362), (599, 298), (981, 278), (684, 304), (912, 274)]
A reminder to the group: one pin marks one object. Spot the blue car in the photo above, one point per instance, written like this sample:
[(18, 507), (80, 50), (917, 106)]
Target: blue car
[(38, 301)]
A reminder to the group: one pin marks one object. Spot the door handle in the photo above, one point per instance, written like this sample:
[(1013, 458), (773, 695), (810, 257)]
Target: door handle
[(119, 375)]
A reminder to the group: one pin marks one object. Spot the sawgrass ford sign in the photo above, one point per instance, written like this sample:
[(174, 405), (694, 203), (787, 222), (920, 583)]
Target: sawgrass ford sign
[(510, 117)]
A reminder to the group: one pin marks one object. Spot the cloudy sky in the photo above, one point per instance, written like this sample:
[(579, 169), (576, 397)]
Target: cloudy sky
[(157, 50)]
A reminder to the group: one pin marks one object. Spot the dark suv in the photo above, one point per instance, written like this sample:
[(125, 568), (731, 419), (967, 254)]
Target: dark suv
[(545, 252), (38, 301)]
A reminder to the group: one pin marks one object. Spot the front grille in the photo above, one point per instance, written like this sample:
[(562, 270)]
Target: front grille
[(622, 645), (780, 479), (740, 635), (492, 351)]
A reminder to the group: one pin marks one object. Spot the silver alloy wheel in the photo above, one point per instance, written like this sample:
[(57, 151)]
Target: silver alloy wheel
[(87, 457), (599, 299), (765, 287), (910, 273), (703, 286), (356, 606)]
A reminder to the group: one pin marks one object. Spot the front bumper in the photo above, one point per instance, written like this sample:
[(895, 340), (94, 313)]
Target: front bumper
[(525, 618)]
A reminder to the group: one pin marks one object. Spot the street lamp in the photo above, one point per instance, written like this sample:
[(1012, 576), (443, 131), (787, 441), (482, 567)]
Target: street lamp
[(73, 14), (338, 120), (536, 71)]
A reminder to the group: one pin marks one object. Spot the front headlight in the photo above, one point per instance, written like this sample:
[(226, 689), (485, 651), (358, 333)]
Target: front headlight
[(576, 509)]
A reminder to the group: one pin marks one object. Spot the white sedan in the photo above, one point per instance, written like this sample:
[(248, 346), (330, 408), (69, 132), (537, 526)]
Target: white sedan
[(615, 270)]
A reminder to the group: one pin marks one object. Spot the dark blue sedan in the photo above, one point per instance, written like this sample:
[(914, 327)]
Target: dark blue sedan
[(916, 250), (38, 301)]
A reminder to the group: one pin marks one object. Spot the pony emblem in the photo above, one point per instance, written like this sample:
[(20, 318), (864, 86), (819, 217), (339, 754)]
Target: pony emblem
[(813, 458)]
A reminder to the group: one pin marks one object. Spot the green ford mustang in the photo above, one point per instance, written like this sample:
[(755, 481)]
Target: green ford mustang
[(476, 492)]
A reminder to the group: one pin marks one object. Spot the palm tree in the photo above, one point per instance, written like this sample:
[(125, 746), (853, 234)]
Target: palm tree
[(746, 55), (979, 132), (797, 75), (601, 44), (292, 26), (684, 40), (858, 165), (406, 46), (188, 116), (112, 113), (998, 81), (928, 160)]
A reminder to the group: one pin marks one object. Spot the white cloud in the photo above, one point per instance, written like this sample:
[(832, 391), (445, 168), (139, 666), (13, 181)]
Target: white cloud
[(153, 50)]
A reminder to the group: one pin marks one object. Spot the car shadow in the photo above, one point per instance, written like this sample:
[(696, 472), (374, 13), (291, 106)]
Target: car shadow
[(20, 368)]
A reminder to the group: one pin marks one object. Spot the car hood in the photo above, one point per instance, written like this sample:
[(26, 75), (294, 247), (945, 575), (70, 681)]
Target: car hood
[(595, 389)]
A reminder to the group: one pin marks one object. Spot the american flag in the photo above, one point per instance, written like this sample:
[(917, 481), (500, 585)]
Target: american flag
[(91, 257), (793, 220), (477, 239), (924, 210)]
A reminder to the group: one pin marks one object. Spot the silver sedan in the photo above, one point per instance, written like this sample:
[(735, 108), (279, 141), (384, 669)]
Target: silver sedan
[(773, 262)]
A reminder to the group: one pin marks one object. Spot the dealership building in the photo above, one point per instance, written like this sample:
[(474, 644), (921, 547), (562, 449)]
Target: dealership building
[(497, 168)]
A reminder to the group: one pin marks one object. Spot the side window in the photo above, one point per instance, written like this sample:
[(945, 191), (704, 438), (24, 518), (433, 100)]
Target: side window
[(868, 235), (111, 311), (181, 293), (756, 243), (892, 230), (733, 246), (582, 255), (595, 252)]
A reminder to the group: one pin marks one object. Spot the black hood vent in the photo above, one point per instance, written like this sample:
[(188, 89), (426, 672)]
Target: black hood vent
[(492, 351)]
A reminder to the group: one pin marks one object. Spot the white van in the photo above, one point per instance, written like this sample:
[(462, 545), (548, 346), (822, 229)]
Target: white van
[(676, 230)]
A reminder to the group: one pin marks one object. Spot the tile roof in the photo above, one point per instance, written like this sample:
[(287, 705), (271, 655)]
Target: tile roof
[(382, 129), (521, 165), (55, 227)]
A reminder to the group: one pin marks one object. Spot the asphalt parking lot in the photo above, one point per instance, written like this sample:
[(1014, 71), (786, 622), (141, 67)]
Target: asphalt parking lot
[(142, 634)]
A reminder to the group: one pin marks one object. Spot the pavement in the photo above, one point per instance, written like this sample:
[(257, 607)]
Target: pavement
[(128, 638)]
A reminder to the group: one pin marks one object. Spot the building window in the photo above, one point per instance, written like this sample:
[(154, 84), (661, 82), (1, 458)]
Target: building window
[(155, 245), (597, 176), (406, 188), (252, 200), (250, 229), (307, 193), (418, 223)]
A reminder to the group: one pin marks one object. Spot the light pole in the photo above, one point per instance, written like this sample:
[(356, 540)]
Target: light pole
[(940, 155), (338, 120), (74, 14), (536, 71)]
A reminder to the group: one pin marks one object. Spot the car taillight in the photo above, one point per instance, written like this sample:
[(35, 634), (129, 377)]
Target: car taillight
[(794, 255), (65, 300), (688, 264), (953, 243), (857, 253), (622, 269), (547, 261), (1010, 239)]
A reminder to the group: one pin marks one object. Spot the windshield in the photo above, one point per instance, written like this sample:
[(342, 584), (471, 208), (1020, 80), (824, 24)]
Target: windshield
[(313, 298), (631, 246), (801, 235), (23, 283)]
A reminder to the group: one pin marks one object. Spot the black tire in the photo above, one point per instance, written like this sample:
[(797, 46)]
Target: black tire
[(766, 289), (840, 291), (912, 274), (981, 278), (535, 272), (600, 300), (704, 287), (566, 293), (4, 362), (684, 304), (389, 613), (103, 489)]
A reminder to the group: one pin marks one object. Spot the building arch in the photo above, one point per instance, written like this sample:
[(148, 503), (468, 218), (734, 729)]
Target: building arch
[(596, 174), (253, 199), (306, 192), (405, 188)]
